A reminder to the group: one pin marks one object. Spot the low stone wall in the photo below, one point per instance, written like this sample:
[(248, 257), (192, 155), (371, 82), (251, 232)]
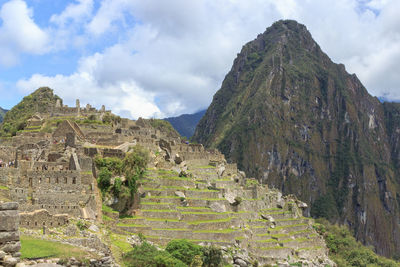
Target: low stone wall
[(9, 234)]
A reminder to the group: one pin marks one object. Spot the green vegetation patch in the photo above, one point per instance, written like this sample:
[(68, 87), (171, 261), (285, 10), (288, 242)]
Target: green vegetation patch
[(33, 248), (345, 250), (2, 187)]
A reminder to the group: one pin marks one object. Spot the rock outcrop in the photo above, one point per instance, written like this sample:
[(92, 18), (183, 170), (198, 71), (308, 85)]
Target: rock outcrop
[(300, 123)]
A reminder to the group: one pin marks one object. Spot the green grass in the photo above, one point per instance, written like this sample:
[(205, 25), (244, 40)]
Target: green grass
[(4, 187), (106, 218), (120, 242), (194, 208), (108, 209), (33, 248), (169, 211), (223, 231), (267, 241), (171, 229), (212, 221), (288, 226), (131, 225), (161, 197), (154, 203), (205, 167)]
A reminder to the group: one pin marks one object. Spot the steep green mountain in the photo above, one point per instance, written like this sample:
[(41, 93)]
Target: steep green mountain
[(186, 124), (16, 119), (2, 114), (297, 121)]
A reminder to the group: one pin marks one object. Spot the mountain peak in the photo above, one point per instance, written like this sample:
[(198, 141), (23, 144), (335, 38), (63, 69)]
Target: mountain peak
[(297, 121)]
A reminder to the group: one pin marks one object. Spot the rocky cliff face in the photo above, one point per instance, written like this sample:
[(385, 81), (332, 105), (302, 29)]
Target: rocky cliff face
[(300, 123)]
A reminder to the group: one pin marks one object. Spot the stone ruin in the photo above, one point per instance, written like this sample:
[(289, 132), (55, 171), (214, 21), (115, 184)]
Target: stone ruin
[(9, 234), (189, 191)]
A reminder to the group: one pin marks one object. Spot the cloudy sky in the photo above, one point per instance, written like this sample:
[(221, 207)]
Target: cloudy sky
[(157, 58)]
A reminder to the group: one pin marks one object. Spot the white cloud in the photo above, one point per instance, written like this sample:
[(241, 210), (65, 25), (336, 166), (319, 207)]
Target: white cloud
[(19, 33), (124, 97), (75, 13), (176, 54)]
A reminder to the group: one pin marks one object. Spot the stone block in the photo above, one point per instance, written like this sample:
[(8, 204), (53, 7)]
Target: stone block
[(9, 220), (9, 206), (9, 236), (11, 247)]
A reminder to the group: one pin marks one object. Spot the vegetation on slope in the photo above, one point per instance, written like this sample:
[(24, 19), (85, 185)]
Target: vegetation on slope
[(126, 172), (16, 119), (346, 251), (186, 124), (2, 114), (163, 126), (178, 253)]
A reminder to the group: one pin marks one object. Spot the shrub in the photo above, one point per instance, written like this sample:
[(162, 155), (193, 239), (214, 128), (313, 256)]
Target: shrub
[(117, 186), (184, 250), (212, 256), (104, 179), (148, 255), (81, 225)]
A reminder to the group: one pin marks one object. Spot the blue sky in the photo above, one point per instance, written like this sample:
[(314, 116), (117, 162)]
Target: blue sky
[(162, 58)]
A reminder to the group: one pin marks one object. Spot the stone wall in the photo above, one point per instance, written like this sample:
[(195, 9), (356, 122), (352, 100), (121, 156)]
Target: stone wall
[(9, 234), (40, 218)]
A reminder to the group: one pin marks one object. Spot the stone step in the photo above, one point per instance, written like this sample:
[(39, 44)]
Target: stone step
[(204, 216), (189, 193), (163, 199), (194, 209), (287, 222), (163, 241), (277, 252), (173, 181), (165, 214), (157, 206), (311, 252), (289, 228)]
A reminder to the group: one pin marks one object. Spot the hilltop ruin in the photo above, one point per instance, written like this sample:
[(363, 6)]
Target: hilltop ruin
[(188, 191)]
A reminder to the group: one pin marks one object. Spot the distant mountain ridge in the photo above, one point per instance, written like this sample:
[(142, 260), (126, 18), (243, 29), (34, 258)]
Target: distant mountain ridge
[(186, 124), (299, 122), (2, 114)]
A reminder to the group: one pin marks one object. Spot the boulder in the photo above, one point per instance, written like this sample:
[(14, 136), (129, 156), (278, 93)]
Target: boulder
[(221, 170), (178, 159), (218, 207), (94, 228), (240, 262), (9, 236), (230, 197), (302, 205), (10, 261), (9, 220), (180, 194), (11, 247)]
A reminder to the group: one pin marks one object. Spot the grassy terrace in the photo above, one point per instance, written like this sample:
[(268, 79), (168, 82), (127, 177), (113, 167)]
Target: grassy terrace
[(2, 187), (33, 248), (211, 221), (288, 226), (163, 188)]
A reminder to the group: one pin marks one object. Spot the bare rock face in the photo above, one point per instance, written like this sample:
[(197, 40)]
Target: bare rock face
[(218, 207), (292, 118), (9, 235)]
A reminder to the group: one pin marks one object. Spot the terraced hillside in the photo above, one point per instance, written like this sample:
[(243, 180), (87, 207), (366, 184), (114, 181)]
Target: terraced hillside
[(217, 205)]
